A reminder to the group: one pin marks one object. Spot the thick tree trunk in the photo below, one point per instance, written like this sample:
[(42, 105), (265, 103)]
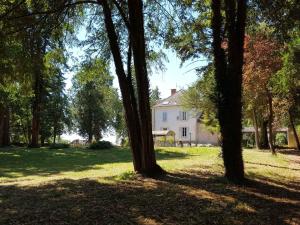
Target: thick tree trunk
[(264, 143), (257, 144), (131, 113), (270, 124), (38, 52), (229, 83), (136, 21), (36, 111), (294, 130)]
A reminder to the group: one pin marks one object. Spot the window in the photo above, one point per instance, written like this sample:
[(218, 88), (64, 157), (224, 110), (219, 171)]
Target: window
[(182, 116), (164, 116), (184, 132)]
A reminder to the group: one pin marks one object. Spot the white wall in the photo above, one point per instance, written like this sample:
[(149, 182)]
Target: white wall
[(174, 123), (197, 131)]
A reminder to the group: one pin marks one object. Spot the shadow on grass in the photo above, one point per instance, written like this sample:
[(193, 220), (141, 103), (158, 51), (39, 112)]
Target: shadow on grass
[(270, 165), (177, 198), (43, 161)]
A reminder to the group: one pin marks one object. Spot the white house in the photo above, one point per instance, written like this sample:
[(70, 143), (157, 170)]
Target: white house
[(168, 114)]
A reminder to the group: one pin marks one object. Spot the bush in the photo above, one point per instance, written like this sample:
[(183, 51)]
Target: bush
[(280, 139), (101, 145), (59, 145)]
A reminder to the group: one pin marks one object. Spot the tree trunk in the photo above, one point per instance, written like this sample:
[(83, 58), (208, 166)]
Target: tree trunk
[(4, 126), (42, 140), (264, 143), (257, 144), (37, 57), (54, 134), (270, 124), (36, 110), (229, 83), (90, 138), (136, 21), (294, 130), (131, 114)]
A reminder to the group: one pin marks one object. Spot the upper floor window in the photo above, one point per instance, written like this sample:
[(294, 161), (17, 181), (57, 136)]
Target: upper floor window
[(164, 118), (182, 115)]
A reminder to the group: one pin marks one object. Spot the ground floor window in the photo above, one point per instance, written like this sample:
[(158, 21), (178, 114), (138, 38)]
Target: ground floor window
[(184, 132)]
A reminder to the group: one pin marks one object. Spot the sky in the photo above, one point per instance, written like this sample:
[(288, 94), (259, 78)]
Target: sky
[(175, 76)]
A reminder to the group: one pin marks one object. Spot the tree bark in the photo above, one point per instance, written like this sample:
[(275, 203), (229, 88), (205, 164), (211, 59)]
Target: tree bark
[(270, 124), (228, 74), (136, 112), (131, 113), (4, 126), (264, 143), (257, 144), (294, 130), (36, 111), (38, 52), (136, 21)]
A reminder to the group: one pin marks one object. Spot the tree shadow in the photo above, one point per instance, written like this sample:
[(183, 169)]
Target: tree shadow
[(289, 151), (20, 162), (178, 198), (270, 165)]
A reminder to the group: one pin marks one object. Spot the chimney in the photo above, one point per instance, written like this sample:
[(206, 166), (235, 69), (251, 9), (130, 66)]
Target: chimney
[(173, 91)]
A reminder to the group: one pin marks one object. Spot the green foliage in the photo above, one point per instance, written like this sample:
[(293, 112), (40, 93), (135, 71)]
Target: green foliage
[(200, 97), (95, 102), (154, 96), (281, 139), (99, 145)]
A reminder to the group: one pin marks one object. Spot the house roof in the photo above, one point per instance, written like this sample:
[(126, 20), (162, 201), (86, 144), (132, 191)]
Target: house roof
[(172, 100)]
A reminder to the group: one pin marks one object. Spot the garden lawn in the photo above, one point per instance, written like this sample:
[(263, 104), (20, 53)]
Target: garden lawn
[(80, 186)]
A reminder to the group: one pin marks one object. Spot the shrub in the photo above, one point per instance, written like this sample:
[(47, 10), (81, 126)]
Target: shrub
[(100, 145), (59, 145), (280, 139)]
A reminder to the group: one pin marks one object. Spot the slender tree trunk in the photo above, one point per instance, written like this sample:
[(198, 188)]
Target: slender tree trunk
[(294, 130), (42, 140), (136, 21), (90, 138), (270, 120), (129, 101), (4, 126), (257, 144), (229, 83)]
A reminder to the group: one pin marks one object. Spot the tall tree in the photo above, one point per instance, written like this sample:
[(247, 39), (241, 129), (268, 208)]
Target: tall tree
[(228, 46), (137, 107), (262, 61), (92, 97)]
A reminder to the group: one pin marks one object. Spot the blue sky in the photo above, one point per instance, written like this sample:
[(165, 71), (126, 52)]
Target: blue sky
[(175, 76)]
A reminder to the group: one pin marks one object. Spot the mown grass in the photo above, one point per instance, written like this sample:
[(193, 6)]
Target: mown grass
[(80, 186)]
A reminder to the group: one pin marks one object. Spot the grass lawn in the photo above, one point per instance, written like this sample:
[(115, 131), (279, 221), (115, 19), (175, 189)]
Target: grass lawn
[(79, 186)]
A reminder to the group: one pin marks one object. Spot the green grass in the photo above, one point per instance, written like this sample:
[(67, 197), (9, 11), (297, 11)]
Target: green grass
[(31, 166), (80, 186)]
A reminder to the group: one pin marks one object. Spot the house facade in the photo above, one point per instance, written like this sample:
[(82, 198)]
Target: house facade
[(168, 114)]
